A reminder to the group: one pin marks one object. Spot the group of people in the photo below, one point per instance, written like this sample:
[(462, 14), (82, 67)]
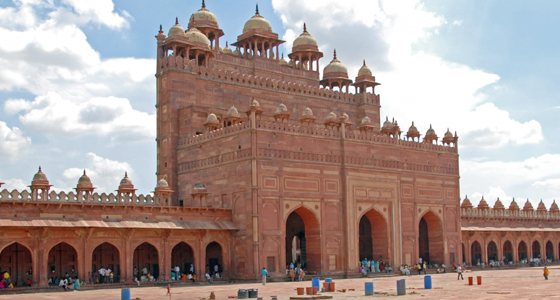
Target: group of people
[(371, 266), (5, 280), (105, 275), (296, 271), (67, 283), (184, 275)]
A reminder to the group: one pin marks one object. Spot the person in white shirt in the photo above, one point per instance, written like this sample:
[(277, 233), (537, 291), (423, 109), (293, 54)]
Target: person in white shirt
[(459, 272), (102, 275)]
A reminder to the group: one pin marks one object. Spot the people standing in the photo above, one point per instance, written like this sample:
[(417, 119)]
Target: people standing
[(264, 273), (292, 274), (101, 275), (546, 272), (459, 272), (168, 290)]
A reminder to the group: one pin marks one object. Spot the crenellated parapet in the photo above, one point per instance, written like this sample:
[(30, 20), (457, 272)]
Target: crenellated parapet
[(498, 212), (231, 77), (71, 197)]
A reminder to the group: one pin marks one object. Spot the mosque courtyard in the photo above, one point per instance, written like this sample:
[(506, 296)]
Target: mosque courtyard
[(523, 283)]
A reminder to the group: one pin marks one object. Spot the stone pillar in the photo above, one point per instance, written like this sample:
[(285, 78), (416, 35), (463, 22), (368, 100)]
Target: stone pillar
[(35, 256), (127, 257), (43, 261)]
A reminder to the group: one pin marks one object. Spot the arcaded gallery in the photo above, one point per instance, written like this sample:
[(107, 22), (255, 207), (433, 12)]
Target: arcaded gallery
[(262, 161)]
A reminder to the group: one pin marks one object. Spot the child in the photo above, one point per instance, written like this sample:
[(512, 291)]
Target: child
[(546, 272), (168, 290)]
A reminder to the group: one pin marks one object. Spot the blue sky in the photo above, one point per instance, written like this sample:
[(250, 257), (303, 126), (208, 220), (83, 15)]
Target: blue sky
[(77, 89)]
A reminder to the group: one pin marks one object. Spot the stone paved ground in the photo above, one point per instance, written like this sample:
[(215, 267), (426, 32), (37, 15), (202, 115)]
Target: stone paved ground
[(525, 283)]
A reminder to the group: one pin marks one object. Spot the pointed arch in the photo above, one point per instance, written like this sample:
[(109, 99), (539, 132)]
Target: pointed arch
[(62, 261), (214, 258), (145, 261), (430, 238), (373, 236), (476, 253), (522, 250), (303, 238), (16, 258), (549, 251), (106, 255), (508, 251), (536, 247), (492, 251), (182, 255)]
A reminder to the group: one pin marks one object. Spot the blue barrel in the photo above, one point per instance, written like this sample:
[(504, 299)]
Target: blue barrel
[(125, 294), (241, 294), (401, 287), (328, 279), (427, 282), (316, 282), (369, 288)]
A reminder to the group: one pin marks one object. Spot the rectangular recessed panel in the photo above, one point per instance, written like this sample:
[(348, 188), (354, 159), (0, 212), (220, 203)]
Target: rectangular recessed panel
[(407, 190), (331, 186), (428, 193), (301, 184), (270, 183)]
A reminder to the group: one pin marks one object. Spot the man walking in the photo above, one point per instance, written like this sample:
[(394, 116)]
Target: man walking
[(264, 273), (459, 272)]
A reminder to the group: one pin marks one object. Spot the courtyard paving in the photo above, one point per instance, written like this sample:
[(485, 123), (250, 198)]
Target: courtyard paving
[(524, 283)]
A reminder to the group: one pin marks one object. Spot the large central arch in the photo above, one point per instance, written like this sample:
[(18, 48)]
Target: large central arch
[(146, 257), (430, 239), (303, 240), (374, 237)]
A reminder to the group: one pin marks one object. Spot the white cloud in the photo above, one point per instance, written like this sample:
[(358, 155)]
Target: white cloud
[(495, 177), (91, 97), (51, 113), (416, 86), (100, 12), (13, 144), (14, 184), (105, 174)]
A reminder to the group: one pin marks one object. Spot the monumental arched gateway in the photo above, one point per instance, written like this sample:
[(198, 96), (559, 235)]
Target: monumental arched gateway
[(303, 242), (430, 238)]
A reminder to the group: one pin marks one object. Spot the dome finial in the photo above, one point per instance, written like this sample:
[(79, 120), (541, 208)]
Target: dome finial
[(304, 27), (160, 28), (176, 20), (257, 9), (84, 171), (364, 62), (227, 45), (125, 174), (40, 169), (203, 4), (334, 56)]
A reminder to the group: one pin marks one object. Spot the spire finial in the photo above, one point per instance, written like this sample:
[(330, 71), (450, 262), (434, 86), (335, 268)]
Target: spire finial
[(176, 20), (334, 53), (160, 28), (304, 27), (227, 45), (84, 172), (257, 9), (125, 174), (203, 4), (40, 169), (364, 62)]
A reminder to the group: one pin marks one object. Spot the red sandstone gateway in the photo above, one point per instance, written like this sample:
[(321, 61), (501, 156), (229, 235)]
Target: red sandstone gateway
[(261, 163)]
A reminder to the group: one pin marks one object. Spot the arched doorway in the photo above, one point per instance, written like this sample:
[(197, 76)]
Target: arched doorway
[(17, 260), (106, 256), (214, 258), (522, 250), (476, 253), (492, 251), (145, 261), (536, 249), (430, 239), (374, 238), (63, 261), (549, 251), (303, 241), (182, 255), (508, 252)]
